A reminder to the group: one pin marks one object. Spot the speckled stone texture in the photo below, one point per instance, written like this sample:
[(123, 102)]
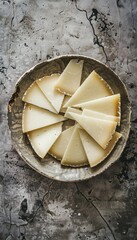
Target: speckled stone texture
[(32, 206)]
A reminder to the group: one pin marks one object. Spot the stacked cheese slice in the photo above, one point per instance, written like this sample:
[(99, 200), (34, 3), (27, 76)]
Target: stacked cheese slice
[(92, 107)]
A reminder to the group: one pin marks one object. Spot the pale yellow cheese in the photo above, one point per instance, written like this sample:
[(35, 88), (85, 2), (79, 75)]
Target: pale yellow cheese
[(42, 139), (74, 155), (94, 152), (34, 117), (101, 130), (108, 105), (92, 88), (36, 97), (71, 110), (70, 78), (47, 86), (59, 147), (90, 113), (66, 99)]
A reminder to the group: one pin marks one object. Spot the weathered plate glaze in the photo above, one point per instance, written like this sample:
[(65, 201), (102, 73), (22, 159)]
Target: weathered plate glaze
[(49, 167)]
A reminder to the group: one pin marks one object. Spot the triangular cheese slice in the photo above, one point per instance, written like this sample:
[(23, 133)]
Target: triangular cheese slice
[(71, 110), (47, 86), (70, 79), (66, 99), (92, 88), (59, 147), (36, 97), (75, 155), (101, 130), (107, 105), (35, 117), (90, 113), (42, 139), (94, 152)]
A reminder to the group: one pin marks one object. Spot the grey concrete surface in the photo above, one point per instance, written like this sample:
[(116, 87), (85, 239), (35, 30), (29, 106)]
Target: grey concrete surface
[(33, 207)]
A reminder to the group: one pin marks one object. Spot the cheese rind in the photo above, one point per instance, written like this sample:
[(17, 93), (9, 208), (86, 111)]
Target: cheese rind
[(101, 130), (90, 113), (42, 139), (70, 78), (94, 152), (59, 147), (108, 105), (35, 96), (75, 155), (34, 118), (47, 86), (93, 87), (72, 110)]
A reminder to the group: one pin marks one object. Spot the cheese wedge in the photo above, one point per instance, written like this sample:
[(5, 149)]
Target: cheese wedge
[(75, 155), (92, 88), (101, 130), (36, 97), (59, 147), (47, 86), (42, 139), (94, 152), (70, 79), (71, 110), (34, 117), (107, 105), (90, 113), (66, 98)]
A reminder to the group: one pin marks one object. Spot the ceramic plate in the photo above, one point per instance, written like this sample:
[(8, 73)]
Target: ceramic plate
[(50, 167)]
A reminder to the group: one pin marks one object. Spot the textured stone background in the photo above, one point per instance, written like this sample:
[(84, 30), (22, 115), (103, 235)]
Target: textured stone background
[(32, 206)]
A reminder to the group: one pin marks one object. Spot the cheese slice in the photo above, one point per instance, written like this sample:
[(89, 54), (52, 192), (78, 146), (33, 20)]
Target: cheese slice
[(92, 88), (90, 113), (66, 99), (107, 105), (70, 79), (35, 117), (71, 110), (36, 97), (75, 155), (101, 130), (47, 86), (59, 147), (42, 139), (94, 152)]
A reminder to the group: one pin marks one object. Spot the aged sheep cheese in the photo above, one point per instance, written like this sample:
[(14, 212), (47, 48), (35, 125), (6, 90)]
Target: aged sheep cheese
[(70, 79), (92, 88), (71, 110), (36, 97), (94, 152), (35, 117), (66, 99), (42, 139), (101, 130), (59, 147), (108, 105), (75, 155), (100, 115), (47, 86)]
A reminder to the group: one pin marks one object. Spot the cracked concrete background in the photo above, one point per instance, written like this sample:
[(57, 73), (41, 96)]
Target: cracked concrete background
[(32, 206)]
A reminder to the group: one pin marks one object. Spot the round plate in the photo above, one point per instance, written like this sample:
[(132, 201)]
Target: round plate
[(50, 167)]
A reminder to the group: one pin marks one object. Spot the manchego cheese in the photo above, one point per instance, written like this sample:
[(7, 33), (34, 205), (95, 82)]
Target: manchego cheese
[(101, 130), (47, 86), (70, 78), (35, 96), (75, 155), (93, 87), (59, 147), (34, 117), (42, 139), (71, 110), (94, 152)]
